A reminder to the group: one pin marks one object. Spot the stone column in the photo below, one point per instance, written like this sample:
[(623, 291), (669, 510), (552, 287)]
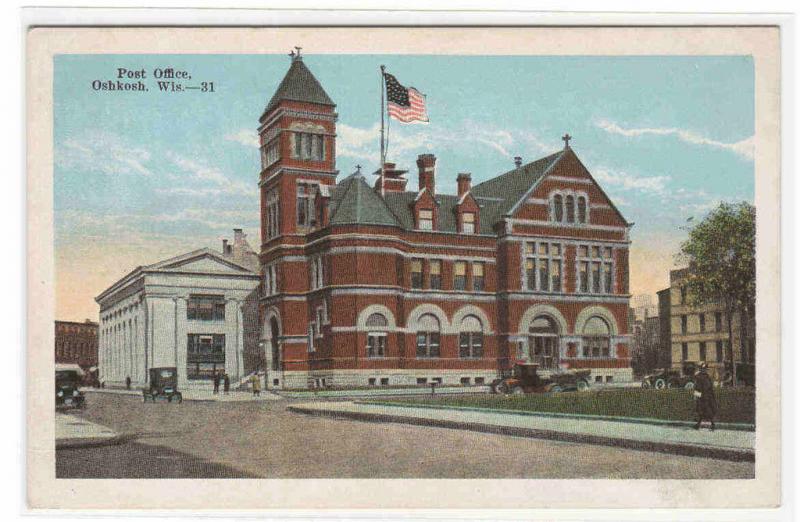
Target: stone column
[(180, 339)]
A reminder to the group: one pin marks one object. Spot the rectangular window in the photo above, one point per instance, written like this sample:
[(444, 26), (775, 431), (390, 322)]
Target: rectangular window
[(584, 276), (702, 351), (416, 273), (684, 352), (684, 323), (272, 224), (427, 344), (718, 349), (683, 295), (543, 266), (308, 146), (205, 308), (717, 321), (436, 273), (596, 278), (425, 220), (384, 381), (468, 222), (470, 345), (607, 277), (702, 325), (422, 380), (376, 345), (595, 269), (205, 356), (306, 215), (460, 275), (478, 279)]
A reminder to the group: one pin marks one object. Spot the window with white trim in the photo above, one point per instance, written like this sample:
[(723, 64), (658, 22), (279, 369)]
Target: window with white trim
[(270, 154), (581, 209), (468, 222), (425, 220), (435, 266), (478, 276), (596, 338), (273, 213), (558, 208), (377, 326), (416, 273), (595, 269), (570, 209), (470, 338), (317, 273), (460, 275), (428, 337), (270, 279), (543, 266), (306, 209), (308, 146)]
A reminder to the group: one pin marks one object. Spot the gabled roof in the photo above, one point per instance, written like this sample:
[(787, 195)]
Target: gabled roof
[(497, 196), (177, 262), (301, 86), (355, 202)]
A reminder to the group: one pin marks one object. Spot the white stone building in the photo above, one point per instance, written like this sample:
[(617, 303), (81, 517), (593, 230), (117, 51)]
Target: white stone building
[(196, 312)]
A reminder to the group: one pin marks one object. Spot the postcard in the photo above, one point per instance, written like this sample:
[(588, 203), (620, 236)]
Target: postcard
[(397, 267)]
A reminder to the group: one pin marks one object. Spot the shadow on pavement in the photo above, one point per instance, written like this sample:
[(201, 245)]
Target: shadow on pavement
[(135, 460)]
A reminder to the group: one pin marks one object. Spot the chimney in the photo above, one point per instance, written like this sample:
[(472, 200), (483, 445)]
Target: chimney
[(518, 161), (426, 164), (464, 181), (225, 247), (238, 236)]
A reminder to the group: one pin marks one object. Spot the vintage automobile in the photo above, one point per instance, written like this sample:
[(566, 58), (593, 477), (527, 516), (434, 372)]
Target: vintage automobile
[(671, 378), (68, 382), (745, 374), (525, 378), (163, 383)]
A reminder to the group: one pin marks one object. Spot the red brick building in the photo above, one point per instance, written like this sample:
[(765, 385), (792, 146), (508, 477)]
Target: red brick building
[(361, 288), (76, 343)]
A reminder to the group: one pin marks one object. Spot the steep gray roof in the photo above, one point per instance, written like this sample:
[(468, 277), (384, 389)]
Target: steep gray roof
[(355, 202), (301, 86)]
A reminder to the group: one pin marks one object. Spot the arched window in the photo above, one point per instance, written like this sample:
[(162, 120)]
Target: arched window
[(596, 338), (543, 342), (376, 336), (428, 336), (558, 208), (581, 209), (470, 339), (570, 209)]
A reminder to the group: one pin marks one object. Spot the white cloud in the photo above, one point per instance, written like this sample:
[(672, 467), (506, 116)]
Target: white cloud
[(246, 137), (744, 148), (103, 152), (203, 173), (623, 180)]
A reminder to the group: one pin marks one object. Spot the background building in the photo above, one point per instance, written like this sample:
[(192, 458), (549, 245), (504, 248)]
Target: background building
[(701, 333), (76, 343), (197, 312), (377, 285)]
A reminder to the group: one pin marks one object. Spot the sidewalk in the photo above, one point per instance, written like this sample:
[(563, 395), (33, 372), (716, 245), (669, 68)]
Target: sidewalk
[(198, 395), (721, 444), (380, 392), (73, 431)]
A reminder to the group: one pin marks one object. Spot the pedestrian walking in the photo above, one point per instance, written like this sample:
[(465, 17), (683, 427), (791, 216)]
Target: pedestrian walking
[(128, 382), (256, 382), (226, 382), (705, 399), (216, 382)]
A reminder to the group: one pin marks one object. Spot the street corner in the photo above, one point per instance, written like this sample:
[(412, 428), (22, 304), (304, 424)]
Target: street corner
[(73, 431)]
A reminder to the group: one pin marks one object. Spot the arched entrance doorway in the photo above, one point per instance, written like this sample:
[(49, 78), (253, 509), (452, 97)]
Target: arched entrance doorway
[(543, 342), (275, 349)]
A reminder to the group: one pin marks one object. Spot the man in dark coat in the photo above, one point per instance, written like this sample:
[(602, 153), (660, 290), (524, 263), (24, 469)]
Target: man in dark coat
[(226, 383), (705, 399), (216, 382)]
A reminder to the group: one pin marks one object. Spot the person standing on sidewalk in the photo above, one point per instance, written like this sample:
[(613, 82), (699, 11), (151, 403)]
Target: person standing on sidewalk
[(256, 382), (216, 382), (226, 383), (705, 399)]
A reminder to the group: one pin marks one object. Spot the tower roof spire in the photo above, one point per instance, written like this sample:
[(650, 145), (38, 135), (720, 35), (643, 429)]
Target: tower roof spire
[(299, 85)]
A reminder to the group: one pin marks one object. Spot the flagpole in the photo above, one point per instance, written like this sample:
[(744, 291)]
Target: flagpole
[(383, 149)]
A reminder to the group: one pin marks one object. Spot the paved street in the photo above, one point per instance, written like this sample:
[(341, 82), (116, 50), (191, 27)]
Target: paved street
[(262, 439)]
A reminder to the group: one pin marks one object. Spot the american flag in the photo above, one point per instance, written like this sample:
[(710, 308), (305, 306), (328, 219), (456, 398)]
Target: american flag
[(406, 104)]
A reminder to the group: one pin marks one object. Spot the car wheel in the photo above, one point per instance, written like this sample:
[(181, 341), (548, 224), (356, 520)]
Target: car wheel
[(645, 384), (517, 390), (689, 385), (555, 388), (502, 387), (660, 384), (583, 385)]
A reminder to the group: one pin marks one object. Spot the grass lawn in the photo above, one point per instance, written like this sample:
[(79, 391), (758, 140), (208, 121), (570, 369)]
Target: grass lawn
[(735, 404)]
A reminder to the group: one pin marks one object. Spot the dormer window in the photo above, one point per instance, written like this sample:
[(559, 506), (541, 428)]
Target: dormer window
[(468, 222), (425, 220)]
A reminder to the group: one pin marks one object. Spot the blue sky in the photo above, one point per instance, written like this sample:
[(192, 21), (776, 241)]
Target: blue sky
[(143, 176)]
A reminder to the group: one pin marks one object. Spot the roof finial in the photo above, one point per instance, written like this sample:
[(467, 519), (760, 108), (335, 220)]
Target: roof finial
[(297, 57), (358, 169), (566, 137)]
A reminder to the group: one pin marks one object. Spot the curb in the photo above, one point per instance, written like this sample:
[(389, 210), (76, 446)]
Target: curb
[(732, 426), (92, 442), (692, 450)]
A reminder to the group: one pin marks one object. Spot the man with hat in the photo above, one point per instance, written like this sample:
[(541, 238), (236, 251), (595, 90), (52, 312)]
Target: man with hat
[(705, 400)]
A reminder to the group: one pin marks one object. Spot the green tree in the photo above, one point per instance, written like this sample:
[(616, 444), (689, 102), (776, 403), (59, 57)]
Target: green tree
[(720, 254)]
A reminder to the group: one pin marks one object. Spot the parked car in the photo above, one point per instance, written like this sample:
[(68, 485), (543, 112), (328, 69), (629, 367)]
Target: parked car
[(671, 378), (68, 382), (745, 374), (163, 383), (525, 378)]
